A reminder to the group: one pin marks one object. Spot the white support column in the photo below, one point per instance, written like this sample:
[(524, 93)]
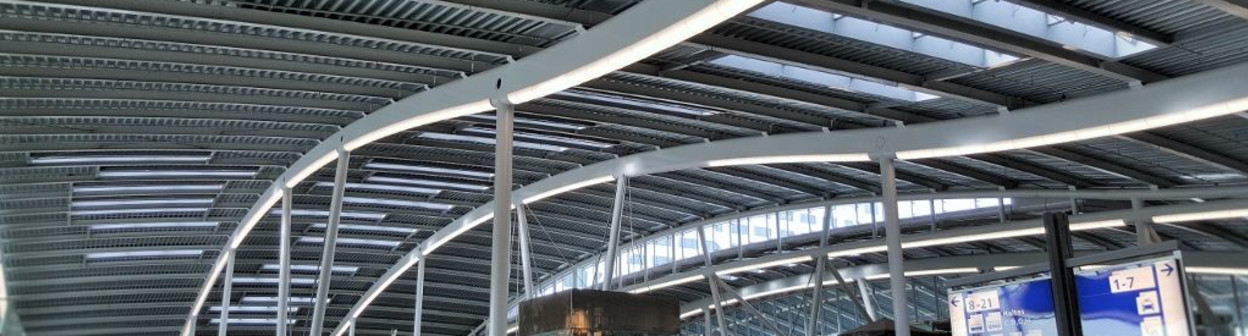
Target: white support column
[(931, 213), (283, 273), (522, 224), (617, 214), (710, 280), (816, 299), (892, 237), (351, 329), (226, 289), (330, 243), (500, 262), (868, 300), (1144, 231), (420, 296)]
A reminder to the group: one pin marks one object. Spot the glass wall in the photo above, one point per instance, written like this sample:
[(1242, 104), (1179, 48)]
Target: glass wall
[(658, 252)]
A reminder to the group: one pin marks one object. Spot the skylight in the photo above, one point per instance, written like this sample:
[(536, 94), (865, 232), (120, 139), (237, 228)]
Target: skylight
[(353, 241), (151, 226), (266, 280), (881, 34), (369, 228), (382, 187), (397, 203), (835, 81), (130, 189), (189, 173), (489, 141), (574, 142), (1069, 33), (100, 159), (151, 254), (429, 169), (428, 183), (612, 100), (324, 213), (311, 268)]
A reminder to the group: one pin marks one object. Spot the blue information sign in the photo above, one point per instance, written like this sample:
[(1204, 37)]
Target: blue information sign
[(1022, 308), (1136, 299)]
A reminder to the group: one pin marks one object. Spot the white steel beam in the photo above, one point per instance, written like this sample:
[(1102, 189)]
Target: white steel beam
[(283, 275), (500, 256), (330, 242), (613, 239), (635, 34), (522, 224)]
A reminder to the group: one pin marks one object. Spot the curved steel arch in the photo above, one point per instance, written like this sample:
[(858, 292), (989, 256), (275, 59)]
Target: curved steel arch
[(637, 33), (1185, 99)]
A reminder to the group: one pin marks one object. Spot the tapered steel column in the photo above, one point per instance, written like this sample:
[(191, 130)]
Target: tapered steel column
[(351, 328), (816, 299), (420, 296), (719, 306), (226, 289), (500, 262), (868, 299), (283, 273), (526, 265), (613, 239), (892, 237), (330, 243)]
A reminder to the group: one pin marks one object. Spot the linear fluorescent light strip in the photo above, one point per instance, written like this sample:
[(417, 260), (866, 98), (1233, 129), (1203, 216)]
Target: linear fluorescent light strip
[(1216, 270), (568, 187), (373, 228), (489, 141), (536, 122), (207, 188), (428, 183), (763, 265), (134, 211), (382, 187), (261, 280), (635, 103), (253, 309), (544, 137), (1198, 216), (352, 241), (176, 173), (61, 159), (665, 284), (251, 321), (324, 213), (124, 202), (1199, 113), (397, 203), (293, 299), (161, 225), (310, 268), (947, 271), (854, 157), (145, 254), (429, 169)]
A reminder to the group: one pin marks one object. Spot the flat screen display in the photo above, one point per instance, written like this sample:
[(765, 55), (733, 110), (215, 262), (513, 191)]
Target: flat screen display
[(1136, 299), (1023, 308)]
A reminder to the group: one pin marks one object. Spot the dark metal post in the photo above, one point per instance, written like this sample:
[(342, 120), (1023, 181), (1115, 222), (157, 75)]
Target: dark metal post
[(1065, 301)]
